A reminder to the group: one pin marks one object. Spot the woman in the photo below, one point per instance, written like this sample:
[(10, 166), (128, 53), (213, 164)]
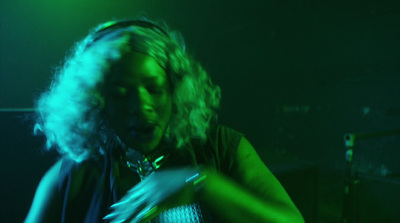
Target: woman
[(134, 120)]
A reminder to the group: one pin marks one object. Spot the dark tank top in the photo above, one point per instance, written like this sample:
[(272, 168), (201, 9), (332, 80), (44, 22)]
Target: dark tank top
[(89, 188)]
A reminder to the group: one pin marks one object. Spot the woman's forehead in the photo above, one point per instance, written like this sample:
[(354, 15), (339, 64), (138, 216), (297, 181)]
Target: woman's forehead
[(135, 66)]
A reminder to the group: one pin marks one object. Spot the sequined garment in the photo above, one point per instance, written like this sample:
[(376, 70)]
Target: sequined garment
[(191, 213)]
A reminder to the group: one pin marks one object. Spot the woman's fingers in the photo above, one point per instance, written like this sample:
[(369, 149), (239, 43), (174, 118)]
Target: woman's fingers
[(145, 214), (133, 210), (164, 188)]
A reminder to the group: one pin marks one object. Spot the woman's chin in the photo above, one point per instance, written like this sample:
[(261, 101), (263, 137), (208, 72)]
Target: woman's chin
[(144, 147)]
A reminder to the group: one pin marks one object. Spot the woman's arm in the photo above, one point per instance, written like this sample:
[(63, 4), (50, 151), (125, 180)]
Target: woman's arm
[(46, 202), (256, 197)]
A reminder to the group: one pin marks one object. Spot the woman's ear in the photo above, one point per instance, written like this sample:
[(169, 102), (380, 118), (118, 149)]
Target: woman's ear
[(97, 100)]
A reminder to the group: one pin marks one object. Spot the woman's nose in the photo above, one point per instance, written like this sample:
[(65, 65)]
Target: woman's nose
[(141, 103)]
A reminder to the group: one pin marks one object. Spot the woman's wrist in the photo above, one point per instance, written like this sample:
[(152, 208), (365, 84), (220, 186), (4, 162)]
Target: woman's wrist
[(197, 181)]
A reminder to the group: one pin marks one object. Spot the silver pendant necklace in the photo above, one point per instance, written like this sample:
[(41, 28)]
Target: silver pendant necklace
[(146, 164)]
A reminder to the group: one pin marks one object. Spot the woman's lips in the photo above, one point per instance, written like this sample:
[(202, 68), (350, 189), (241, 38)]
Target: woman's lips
[(143, 133)]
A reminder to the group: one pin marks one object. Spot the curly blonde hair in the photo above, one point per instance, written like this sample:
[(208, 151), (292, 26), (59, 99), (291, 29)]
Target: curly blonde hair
[(70, 112)]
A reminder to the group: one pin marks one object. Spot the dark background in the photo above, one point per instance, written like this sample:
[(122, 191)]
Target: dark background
[(295, 77)]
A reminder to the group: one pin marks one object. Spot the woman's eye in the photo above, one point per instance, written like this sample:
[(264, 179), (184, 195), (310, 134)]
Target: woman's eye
[(119, 92), (154, 89)]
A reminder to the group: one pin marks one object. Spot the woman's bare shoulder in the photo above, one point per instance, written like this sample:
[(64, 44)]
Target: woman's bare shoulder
[(46, 202)]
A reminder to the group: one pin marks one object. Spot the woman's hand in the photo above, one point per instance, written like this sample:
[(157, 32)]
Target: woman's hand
[(159, 191)]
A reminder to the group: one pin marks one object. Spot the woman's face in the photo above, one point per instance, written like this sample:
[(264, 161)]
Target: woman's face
[(138, 101)]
